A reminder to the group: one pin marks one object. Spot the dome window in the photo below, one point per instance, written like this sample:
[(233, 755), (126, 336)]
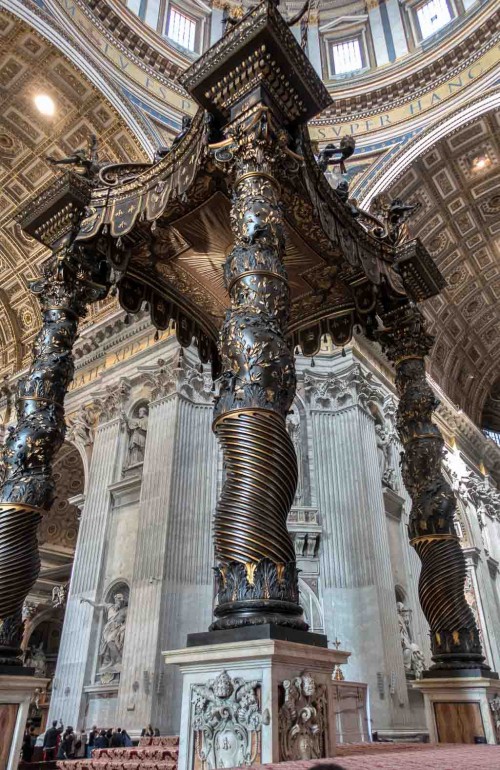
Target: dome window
[(346, 56), (181, 28), (432, 16)]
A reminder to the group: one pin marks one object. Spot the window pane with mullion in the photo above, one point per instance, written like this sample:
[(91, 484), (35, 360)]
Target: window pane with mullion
[(346, 56)]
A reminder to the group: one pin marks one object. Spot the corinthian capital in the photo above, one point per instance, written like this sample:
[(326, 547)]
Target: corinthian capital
[(177, 376), (338, 391), (110, 402), (404, 334)]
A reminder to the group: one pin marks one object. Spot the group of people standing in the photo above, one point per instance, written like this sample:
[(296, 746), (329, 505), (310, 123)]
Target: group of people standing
[(60, 743), (104, 739)]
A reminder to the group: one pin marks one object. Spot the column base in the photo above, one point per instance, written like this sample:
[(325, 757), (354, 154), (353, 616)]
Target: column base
[(264, 631), (16, 692), (457, 707), (256, 701), (460, 673)]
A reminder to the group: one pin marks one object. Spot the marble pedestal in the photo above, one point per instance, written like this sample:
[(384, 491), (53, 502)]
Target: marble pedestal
[(16, 692), (457, 710), (256, 701)]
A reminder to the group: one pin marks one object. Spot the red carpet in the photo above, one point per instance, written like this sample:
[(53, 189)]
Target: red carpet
[(161, 754), (397, 756)]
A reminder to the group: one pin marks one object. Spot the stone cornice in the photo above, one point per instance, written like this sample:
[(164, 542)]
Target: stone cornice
[(470, 439)]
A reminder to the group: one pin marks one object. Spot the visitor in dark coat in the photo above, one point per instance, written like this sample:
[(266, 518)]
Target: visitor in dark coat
[(50, 740), (91, 741), (28, 745), (101, 741), (127, 740), (116, 739)]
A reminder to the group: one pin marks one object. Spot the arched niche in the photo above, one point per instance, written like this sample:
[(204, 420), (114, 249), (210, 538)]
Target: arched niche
[(59, 527), (111, 631), (43, 635), (313, 611)]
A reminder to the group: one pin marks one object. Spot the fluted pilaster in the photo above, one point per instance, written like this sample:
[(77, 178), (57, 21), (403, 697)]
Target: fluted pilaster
[(172, 585), (356, 575), (78, 642)]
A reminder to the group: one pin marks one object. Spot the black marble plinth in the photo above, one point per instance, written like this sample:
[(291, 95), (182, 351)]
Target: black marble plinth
[(459, 673), (264, 631), (16, 671)]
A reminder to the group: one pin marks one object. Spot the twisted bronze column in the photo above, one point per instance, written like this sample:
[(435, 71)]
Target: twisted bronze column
[(454, 634), (256, 571), (69, 282)]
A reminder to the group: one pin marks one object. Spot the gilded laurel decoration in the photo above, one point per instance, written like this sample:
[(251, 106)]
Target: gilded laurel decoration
[(256, 572)]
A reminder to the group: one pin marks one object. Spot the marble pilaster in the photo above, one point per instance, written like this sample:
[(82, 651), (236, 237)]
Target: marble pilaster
[(378, 35), (172, 587), (397, 29), (357, 582), (78, 642)]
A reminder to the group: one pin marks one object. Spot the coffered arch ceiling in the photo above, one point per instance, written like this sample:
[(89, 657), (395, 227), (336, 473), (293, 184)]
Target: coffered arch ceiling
[(30, 65), (456, 183)]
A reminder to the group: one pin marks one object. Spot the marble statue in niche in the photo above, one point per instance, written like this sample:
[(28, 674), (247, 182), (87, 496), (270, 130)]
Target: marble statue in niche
[(113, 632), (227, 721), (302, 719), (37, 659), (81, 427), (413, 658), (384, 438), (293, 427), (137, 428)]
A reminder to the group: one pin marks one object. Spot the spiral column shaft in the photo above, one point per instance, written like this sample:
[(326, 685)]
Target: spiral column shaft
[(261, 477), (455, 638), (28, 488), (71, 279), (256, 571)]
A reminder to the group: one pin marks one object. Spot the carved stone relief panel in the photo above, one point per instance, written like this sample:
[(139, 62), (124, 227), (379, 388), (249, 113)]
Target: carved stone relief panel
[(302, 719), (227, 722)]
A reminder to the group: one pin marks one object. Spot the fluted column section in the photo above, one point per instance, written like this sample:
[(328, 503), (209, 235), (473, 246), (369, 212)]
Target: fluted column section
[(148, 590), (75, 660), (454, 635), (356, 575), (256, 570), (172, 586)]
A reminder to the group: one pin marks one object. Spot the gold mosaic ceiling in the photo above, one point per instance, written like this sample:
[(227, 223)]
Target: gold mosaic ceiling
[(30, 65), (457, 185)]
